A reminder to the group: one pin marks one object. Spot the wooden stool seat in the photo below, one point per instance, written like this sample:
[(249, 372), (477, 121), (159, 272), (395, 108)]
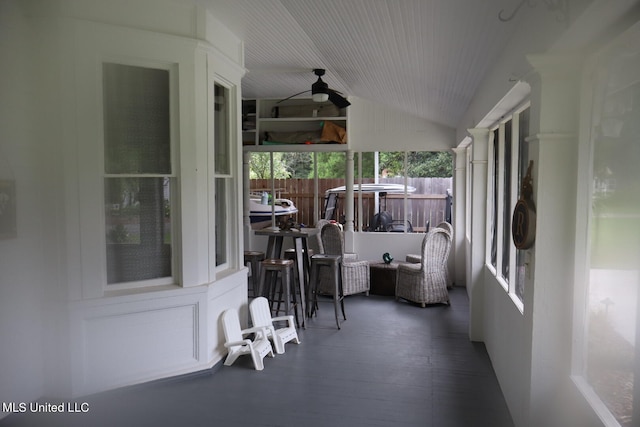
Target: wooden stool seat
[(277, 262), (267, 288), (253, 258), (291, 253)]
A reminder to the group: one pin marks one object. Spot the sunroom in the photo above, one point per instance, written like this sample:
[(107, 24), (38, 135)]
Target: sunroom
[(92, 300)]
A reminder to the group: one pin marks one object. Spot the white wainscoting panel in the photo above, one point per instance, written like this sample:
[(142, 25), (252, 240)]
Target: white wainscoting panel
[(130, 339), (127, 340), (120, 347)]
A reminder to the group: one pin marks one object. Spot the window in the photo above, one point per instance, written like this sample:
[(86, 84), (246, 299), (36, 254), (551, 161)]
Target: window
[(469, 172), (494, 198), (294, 176), (138, 175), (506, 202), (508, 155), (523, 163), (427, 201), (611, 311), (222, 171)]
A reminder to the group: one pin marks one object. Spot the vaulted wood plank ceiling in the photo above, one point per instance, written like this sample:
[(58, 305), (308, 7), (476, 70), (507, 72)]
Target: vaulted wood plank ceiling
[(422, 57)]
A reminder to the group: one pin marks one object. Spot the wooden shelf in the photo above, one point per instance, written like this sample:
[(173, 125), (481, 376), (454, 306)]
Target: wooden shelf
[(259, 110), (303, 119), (296, 147)]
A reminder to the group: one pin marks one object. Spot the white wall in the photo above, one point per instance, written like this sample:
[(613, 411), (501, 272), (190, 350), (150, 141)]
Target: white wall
[(537, 30), (22, 285), (531, 351), (374, 127), (61, 332), (371, 246), (507, 346)]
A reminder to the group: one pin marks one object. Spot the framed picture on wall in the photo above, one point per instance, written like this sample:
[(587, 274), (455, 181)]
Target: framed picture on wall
[(8, 226)]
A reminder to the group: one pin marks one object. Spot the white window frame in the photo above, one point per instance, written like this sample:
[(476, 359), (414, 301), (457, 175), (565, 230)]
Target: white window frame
[(468, 192), (584, 218), (508, 283), (173, 175), (95, 44), (359, 222), (230, 178), (492, 193)]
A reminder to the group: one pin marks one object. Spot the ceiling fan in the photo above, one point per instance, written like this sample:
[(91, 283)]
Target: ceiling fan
[(320, 92)]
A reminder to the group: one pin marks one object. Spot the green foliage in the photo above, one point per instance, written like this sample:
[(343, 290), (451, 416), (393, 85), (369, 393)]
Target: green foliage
[(368, 164), (299, 164), (260, 166), (435, 164), (332, 165), (118, 234), (391, 163), (420, 164)]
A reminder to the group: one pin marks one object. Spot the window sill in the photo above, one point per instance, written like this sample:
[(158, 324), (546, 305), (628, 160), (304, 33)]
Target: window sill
[(505, 286), (596, 404), (516, 301), (140, 294), (140, 290)]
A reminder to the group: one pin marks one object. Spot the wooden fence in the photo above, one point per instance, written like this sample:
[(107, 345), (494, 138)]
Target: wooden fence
[(427, 204)]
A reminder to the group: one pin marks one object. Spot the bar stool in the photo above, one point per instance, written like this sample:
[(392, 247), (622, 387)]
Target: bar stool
[(253, 258), (291, 254), (332, 262), (269, 282)]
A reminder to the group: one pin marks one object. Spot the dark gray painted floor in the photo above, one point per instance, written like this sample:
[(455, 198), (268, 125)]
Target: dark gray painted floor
[(391, 364)]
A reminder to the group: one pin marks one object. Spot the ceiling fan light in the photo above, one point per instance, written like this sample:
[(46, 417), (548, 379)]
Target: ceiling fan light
[(320, 97)]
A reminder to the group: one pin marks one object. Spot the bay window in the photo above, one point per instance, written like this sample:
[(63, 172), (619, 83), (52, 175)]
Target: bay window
[(223, 178), (138, 175)]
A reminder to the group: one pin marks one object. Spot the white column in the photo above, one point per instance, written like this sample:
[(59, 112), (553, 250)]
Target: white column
[(459, 210), (477, 245), (246, 222), (349, 206), (548, 296)]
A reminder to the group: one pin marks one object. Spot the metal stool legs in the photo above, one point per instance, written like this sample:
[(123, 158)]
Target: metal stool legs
[(268, 285), (333, 262), (253, 258)]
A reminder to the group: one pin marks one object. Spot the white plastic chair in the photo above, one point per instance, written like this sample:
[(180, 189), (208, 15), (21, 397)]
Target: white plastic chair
[(239, 345), (261, 318)]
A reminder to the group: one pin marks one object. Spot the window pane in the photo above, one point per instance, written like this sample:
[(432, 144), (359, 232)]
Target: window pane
[(290, 194), (428, 172), (523, 163), (221, 139), (221, 231), (332, 171), (136, 120), (138, 228), (507, 211), (615, 243), (494, 203)]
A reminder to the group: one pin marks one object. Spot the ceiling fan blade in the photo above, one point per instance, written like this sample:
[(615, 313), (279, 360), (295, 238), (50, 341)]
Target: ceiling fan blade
[(294, 95), (321, 87), (337, 99)]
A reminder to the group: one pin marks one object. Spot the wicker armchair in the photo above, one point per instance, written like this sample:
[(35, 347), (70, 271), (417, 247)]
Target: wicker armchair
[(446, 226), (426, 282), (416, 258), (316, 244), (355, 273)]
